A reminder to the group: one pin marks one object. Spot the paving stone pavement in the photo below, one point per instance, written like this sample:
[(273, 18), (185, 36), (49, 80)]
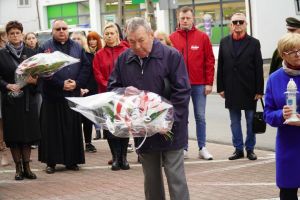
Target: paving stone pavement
[(219, 179)]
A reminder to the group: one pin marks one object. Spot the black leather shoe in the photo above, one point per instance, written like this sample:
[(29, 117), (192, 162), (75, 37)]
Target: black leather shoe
[(115, 166), (73, 167), (50, 169), (251, 155), (238, 154), (124, 165)]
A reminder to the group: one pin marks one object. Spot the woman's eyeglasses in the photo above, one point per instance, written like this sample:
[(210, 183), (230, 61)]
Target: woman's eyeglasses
[(61, 28), (293, 53), (240, 22)]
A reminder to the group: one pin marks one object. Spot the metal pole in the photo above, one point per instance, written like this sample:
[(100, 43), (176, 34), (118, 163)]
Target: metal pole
[(121, 13), (250, 17), (193, 4), (221, 20), (38, 13), (150, 14)]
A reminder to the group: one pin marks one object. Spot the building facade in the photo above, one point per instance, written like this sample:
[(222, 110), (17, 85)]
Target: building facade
[(266, 18), (24, 11)]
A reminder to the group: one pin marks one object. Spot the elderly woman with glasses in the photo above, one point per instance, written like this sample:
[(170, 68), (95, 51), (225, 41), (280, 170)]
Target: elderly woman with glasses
[(277, 112), (20, 113)]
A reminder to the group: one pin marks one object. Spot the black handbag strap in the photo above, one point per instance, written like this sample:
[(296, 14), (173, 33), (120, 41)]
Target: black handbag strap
[(262, 104)]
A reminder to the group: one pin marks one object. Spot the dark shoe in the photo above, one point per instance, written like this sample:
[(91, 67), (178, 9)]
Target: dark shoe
[(124, 165), (251, 155), (115, 166), (237, 155), (27, 171), (19, 172), (73, 167), (110, 162), (98, 135), (90, 148), (50, 169)]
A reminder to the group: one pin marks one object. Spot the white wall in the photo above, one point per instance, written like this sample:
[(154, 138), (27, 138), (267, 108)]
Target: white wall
[(9, 10), (162, 21), (268, 22), (95, 15)]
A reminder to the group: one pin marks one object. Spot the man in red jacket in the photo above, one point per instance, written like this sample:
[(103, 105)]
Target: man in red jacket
[(199, 59)]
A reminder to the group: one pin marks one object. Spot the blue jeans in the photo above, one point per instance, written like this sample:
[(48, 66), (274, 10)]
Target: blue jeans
[(199, 104), (236, 129)]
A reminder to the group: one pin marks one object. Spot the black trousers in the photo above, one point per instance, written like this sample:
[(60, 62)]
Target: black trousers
[(87, 129), (288, 193)]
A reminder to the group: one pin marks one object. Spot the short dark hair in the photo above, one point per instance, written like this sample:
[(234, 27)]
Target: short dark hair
[(13, 24), (185, 9)]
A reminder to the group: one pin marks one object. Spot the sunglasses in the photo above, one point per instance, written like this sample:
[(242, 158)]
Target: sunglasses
[(240, 22), (61, 28)]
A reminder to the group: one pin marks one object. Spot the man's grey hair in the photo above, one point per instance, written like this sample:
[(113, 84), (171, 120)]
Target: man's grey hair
[(239, 14), (134, 23)]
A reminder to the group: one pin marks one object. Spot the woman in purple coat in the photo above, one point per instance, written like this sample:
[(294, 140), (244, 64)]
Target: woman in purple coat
[(276, 112)]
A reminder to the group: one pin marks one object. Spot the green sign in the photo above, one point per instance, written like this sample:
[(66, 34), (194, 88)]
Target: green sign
[(68, 12), (142, 1)]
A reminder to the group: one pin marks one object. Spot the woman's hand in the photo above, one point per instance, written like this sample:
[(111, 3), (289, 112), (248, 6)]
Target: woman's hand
[(294, 123), (31, 80), (13, 87), (286, 112), (83, 92)]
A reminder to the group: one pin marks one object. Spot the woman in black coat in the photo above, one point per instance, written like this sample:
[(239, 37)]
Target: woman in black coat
[(20, 114)]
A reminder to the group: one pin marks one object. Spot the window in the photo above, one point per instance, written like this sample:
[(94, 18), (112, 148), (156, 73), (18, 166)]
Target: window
[(75, 14), (297, 6), (23, 3), (109, 12), (208, 16)]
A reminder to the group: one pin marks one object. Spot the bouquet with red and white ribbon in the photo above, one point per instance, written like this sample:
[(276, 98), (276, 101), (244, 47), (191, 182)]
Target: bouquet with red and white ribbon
[(127, 111)]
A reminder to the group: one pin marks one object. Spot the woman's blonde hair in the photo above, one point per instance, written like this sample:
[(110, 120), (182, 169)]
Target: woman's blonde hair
[(82, 38), (165, 36), (111, 25), (288, 42)]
